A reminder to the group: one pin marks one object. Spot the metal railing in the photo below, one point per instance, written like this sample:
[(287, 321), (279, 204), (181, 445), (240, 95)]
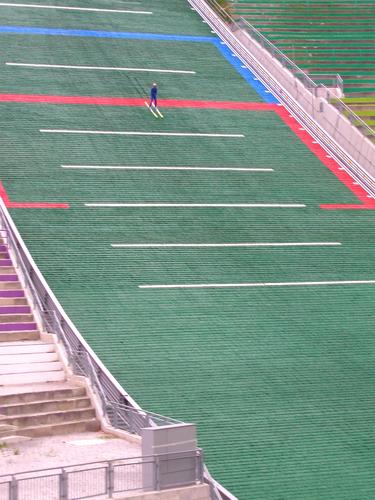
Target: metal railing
[(334, 80), (119, 408), (311, 81), (54, 320), (350, 145), (100, 479)]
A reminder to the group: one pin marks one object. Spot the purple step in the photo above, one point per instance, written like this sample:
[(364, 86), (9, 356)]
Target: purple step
[(12, 293), (15, 310), (17, 327), (8, 277), (3, 248), (5, 262)]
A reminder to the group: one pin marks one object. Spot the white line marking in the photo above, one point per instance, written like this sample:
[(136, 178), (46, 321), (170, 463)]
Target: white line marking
[(254, 285), (114, 132), (59, 7), (197, 205), (223, 245), (207, 169), (105, 68)]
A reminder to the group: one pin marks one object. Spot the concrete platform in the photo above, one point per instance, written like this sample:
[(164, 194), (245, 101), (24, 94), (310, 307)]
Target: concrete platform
[(59, 451)]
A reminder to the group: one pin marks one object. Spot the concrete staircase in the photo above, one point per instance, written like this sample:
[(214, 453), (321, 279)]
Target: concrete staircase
[(35, 397), (48, 409)]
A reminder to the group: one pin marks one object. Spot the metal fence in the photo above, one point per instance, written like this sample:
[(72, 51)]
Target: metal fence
[(333, 80), (53, 318), (99, 479), (311, 81), (119, 408), (316, 105)]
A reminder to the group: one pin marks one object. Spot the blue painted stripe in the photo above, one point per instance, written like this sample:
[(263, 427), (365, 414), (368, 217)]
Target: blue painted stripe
[(224, 50), (246, 73), (26, 30)]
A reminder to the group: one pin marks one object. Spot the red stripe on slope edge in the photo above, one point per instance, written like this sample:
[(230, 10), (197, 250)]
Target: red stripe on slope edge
[(11, 204), (330, 163)]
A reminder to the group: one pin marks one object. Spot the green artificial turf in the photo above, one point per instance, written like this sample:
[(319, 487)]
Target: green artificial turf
[(279, 380)]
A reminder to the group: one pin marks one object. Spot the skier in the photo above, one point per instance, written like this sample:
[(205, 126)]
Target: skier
[(154, 95)]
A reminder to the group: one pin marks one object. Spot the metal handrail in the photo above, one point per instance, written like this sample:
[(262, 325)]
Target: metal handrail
[(118, 405), (75, 467), (51, 312), (107, 483), (308, 82), (81, 357)]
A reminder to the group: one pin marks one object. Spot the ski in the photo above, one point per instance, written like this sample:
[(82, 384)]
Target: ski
[(152, 111), (158, 112)]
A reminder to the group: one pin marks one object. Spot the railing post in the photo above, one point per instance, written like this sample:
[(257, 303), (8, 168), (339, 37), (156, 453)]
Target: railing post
[(131, 421), (115, 416), (199, 466), (156, 473), (110, 478), (63, 484), (13, 489)]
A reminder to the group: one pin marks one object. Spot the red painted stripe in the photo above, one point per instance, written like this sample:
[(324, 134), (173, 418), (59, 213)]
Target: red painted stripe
[(38, 205), (303, 135), (367, 206), (135, 101), (11, 204), (330, 163)]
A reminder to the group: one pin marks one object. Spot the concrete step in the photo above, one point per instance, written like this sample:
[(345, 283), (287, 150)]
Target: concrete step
[(12, 293), (48, 418), (73, 427), (7, 430), (40, 392), (17, 336), (6, 267), (19, 326), (10, 285), (13, 301), (8, 348), (15, 318), (5, 261), (32, 378), (27, 358), (47, 406), (8, 277), (14, 309), (26, 368)]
